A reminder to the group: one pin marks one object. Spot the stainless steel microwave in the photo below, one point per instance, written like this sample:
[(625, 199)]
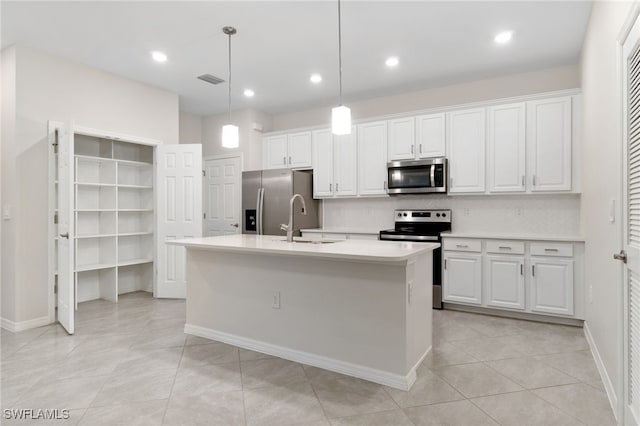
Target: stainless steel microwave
[(417, 176)]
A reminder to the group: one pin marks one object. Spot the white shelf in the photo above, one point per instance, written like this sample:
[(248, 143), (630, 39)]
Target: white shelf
[(95, 236), (94, 210), (94, 267), (134, 163), (135, 186), (132, 234), (96, 184), (129, 262), (135, 210)]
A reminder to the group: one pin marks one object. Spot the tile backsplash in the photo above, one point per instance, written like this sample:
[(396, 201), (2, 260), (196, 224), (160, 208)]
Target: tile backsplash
[(523, 214)]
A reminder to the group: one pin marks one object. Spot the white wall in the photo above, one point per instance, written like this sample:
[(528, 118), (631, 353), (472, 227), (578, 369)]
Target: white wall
[(548, 80), (190, 128), (516, 214), (600, 118), (250, 139), (52, 88)]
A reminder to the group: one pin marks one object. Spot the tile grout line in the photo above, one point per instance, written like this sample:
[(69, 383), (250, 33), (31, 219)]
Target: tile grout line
[(304, 370), (244, 406), (166, 407)]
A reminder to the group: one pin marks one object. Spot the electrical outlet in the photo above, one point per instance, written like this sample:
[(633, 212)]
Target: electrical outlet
[(275, 300), (518, 211), (466, 212)]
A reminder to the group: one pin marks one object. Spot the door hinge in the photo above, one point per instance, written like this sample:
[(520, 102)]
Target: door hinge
[(204, 173), (55, 219), (55, 288), (55, 142)]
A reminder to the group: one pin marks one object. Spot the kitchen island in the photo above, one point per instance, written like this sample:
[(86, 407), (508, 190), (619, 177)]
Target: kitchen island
[(361, 308)]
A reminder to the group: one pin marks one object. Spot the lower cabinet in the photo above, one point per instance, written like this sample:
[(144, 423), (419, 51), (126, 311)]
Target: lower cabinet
[(536, 277), (504, 280), (552, 285), (462, 278)]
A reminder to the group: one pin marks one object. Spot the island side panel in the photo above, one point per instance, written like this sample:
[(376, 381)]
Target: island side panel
[(352, 312), (419, 308)]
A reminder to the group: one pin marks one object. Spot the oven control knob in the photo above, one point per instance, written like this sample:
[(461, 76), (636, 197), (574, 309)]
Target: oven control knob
[(399, 214), (438, 215), (404, 214), (444, 214)]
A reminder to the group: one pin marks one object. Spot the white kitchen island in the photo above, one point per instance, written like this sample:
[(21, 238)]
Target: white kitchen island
[(361, 308)]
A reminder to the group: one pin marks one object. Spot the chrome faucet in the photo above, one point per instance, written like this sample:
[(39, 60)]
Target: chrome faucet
[(289, 227)]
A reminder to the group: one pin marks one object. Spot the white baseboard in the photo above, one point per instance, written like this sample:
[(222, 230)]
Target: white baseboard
[(606, 380), (396, 381), (15, 327)]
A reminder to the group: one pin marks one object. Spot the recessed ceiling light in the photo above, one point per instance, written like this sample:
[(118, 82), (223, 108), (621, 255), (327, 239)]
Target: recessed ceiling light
[(159, 56), (315, 78), (249, 93), (503, 37), (392, 61)]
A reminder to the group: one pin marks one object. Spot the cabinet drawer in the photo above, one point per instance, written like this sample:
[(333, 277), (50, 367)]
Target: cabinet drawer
[(552, 249), (363, 236), (506, 247), (460, 244)]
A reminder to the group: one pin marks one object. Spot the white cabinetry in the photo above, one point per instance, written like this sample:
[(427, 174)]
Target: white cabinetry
[(372, 158), (549, 139), (466, 148), (506, 148), (334, 164), (430, 135), (402, 139), (552, 284), (505, 281), (462, 277), (282, 151)]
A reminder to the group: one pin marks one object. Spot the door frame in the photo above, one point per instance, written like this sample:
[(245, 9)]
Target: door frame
[(240, 156), (618, 216), (52, 125)]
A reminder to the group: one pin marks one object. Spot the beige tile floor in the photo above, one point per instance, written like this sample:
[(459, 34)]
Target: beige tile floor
[(131, 364)]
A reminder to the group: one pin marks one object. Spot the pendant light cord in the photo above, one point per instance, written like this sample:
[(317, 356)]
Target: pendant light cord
[(340, 49), (229, 78)]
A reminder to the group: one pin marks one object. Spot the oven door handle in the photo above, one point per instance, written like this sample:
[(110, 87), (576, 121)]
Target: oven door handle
[(416, 238)]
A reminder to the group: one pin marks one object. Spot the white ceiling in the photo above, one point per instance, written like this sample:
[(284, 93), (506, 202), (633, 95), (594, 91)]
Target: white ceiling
[(279, 44)]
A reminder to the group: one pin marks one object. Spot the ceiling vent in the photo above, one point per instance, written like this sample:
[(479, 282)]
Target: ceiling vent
[(210, 79)]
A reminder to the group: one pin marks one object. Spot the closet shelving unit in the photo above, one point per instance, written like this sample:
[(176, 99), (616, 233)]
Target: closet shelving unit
[(114, 218)]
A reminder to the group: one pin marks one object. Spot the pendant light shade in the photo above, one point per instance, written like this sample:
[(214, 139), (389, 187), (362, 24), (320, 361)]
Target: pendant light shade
[(230, 133), (340, 115), (230, 136), (341, 120)]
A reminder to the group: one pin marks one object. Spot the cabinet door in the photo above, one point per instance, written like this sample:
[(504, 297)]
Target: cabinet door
[(322, 144), (462, 278), (552, 285), (345, 164), (505, 281), (372, 158), (549, 139), (466, 148), (299, 148), (402, 139), (506, 142), (274, 152), (430, 135)]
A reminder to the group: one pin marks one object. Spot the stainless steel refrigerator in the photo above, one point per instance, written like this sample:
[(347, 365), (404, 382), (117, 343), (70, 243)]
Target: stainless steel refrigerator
[(265, 201)]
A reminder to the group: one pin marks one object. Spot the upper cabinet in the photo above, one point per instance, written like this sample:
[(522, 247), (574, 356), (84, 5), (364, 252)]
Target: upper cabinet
[(430, 135), (466, 148), (372, 158), (287, 151), (334, 164), (402, 139), (506, 145), (549, 139)]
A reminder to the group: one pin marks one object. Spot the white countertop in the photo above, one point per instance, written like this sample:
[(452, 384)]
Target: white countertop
[(528, 237), (342, 231), (357, 250)]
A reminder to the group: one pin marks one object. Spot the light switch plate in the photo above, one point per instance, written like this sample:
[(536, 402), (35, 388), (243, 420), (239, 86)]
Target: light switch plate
[(6, 212)]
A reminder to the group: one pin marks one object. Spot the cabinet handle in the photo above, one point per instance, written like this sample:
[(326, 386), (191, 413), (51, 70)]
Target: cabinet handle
[(330, 187), (462, 245), (450, 180), (445, 264), (337, 187), (534, 180), (412, 148), (385, 185), (551, 249), (420, 148), (504, 248), (523, 181), (284, 160), (533, 270), (521, 269), (289, 159)]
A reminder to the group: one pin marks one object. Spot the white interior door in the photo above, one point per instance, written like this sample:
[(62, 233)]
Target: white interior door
[(631, 223), (66, 279), (179, 212), (222, 196)]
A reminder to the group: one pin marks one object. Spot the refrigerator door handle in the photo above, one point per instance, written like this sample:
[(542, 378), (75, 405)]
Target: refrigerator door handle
[(260, 211)]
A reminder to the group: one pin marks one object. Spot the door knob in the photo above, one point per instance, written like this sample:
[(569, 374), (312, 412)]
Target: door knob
[(65, 235), (621, 256), (235, 225)]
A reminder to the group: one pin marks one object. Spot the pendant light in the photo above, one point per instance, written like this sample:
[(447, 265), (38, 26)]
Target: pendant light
[(230, 133), (340, 115)]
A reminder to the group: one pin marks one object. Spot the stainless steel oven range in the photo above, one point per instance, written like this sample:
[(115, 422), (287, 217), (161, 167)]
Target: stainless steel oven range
[(423, 226)]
